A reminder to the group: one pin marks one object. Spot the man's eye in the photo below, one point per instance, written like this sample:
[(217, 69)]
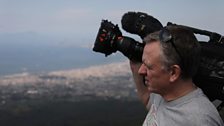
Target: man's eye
[(149, 66)]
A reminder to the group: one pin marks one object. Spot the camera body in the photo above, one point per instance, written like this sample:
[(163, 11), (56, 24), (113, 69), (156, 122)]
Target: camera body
[(109, 40)]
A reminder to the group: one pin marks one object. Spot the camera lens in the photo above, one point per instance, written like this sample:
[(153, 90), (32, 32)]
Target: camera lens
[(131, 48)]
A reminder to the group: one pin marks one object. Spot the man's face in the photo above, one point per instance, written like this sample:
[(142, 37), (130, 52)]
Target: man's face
[(155, 76)]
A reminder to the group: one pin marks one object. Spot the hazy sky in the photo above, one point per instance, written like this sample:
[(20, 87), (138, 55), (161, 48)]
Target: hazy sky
[(81, 18)]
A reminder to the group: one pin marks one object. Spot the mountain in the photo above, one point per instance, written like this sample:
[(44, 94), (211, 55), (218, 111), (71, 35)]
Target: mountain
[(97, 95)]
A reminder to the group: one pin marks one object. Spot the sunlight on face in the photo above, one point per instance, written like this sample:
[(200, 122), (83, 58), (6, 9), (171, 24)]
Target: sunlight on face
[(156, 78)]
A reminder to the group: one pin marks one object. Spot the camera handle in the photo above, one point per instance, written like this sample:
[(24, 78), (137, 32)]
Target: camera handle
[(214, 37)]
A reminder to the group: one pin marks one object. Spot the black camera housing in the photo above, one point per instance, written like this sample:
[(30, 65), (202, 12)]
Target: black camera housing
[(109, 39)]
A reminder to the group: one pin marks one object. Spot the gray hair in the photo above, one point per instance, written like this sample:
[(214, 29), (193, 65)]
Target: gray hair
[(187, 45)]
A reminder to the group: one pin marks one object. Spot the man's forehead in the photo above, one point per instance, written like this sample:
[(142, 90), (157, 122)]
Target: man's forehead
[(151, 51), (152, 47)]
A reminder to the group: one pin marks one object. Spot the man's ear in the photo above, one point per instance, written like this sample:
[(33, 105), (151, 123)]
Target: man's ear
[(175, 72)]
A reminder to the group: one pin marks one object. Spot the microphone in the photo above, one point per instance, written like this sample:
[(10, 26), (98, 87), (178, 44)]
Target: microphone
[(140, 23)]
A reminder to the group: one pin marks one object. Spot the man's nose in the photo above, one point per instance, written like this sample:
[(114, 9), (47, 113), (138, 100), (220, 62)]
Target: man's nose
[(142, 70)]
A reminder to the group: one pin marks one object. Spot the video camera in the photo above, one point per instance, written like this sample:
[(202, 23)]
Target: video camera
[(210, 75)]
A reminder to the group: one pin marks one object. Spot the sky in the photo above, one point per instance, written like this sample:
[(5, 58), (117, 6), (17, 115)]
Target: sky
[(78, 21)]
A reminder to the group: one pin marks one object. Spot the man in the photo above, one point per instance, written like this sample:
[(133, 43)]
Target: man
[(164, 81)]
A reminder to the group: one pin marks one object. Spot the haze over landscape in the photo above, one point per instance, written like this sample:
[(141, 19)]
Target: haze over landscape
[(50, 76), (32, 31)]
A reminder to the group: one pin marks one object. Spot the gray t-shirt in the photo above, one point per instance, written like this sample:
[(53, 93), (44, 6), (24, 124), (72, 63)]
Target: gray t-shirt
[(193, 109)]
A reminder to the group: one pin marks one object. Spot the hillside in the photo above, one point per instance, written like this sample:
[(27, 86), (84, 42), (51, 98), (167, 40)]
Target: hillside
[(104, 81), (99, 96)]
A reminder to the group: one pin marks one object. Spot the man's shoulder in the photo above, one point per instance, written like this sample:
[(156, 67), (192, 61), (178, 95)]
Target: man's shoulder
[(198, 101), (203, 109)]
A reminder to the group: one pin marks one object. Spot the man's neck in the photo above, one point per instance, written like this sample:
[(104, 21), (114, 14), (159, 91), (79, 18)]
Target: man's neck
[(179, 89)]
